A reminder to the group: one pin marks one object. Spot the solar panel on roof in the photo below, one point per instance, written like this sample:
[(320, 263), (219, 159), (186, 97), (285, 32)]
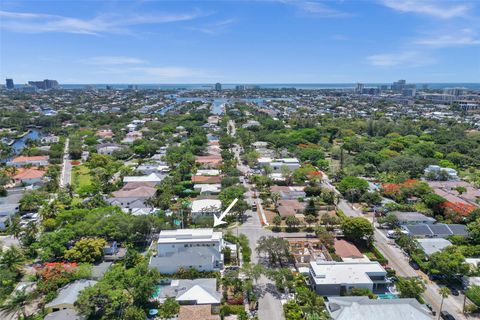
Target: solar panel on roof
[(458, 229), (440, 229), (418, 230)]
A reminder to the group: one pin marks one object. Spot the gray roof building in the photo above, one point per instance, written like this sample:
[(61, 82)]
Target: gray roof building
[(363, 308), (68, 294), (65, 314), (438, 230), (197, 291), (433, 245), (412, 218)]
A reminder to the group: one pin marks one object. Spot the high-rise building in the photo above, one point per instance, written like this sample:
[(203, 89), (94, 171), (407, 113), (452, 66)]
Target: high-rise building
[(9, 84), (360, 87), (399, 85), (45, 84), (218, 86), (454, 91)]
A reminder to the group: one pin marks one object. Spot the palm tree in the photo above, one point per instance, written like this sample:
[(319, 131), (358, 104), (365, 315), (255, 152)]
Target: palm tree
[(444, 292), (14, 226), (12, 260), (17, 303), (275, 197)]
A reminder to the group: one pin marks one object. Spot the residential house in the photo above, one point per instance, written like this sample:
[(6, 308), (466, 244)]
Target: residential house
[(153, 178), (433, 245), (132, 136), (131, 198), (412, 218), (65, 314), (105, 134), (208, 189), (68, 294), (28, 176), (277, 164), (290, 208), (348, 251), (438, 230), (363, 308), (192, 292), (108, 148), (23, 161), (205, 207), (197, 312), (211, 161), (188, 248), (206, 179), (436, 171), (49, 139), (330, 278), (289, 192)]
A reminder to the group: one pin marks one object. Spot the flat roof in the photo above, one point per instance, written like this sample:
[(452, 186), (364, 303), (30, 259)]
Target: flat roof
[(331, 272), (187, 235)]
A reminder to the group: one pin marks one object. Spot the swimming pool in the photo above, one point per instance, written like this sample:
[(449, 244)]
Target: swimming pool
[(388, 296), (158, 290)]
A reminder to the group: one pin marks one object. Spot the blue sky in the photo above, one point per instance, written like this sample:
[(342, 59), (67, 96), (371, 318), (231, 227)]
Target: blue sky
[(284, 41)]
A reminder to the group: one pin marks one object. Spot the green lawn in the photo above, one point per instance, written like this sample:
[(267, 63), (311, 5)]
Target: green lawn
[(81, 177)]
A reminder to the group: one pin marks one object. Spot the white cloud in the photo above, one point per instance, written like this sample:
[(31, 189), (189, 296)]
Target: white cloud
[(465, 37), (404, 59), (26, 22), (437, 9), (216, 27), (316, 9), (112, 60)]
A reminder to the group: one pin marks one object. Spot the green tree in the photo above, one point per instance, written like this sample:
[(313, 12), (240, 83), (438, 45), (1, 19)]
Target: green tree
[(357, 228), (292, 311), (276, 249), (277, 221), (16, 305), (411, 288), (390, 219), (324, 236), (86, 250), (169, 308), (449, 262), (12, 260), (352, 187), (292, 221)]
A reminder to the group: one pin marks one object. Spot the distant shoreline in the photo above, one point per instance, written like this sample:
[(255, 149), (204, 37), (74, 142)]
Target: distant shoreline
[(305, 86)]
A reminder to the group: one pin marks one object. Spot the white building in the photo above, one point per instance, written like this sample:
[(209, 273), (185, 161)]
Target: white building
[(200, 249), (153, 177), (435, 171), (206, 207), (277, 164), (330, 278)]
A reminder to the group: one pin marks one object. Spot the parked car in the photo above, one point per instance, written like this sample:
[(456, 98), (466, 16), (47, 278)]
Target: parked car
[(446, 315), (454, 291), (414, 265)]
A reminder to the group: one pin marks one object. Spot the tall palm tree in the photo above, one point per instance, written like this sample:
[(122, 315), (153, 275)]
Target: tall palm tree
[(444, 292), (17, 303)]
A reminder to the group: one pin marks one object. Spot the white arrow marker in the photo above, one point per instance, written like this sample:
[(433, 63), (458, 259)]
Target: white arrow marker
[(219, 221)]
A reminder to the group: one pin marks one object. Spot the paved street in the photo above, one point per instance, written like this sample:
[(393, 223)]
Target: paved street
[(66, 174), (269, 306)]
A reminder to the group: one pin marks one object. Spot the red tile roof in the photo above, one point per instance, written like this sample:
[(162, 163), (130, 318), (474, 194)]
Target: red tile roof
[(28, 159), (345, 249)]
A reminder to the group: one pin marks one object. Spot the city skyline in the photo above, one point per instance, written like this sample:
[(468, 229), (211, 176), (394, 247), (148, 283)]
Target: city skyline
[(168, 42)]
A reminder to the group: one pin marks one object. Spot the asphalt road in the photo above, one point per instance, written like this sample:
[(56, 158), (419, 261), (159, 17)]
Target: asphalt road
[(66, 174)]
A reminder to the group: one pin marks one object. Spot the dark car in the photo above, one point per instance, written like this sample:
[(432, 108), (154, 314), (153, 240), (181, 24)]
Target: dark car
[(454, 291), (414, 265), (446, 315)]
